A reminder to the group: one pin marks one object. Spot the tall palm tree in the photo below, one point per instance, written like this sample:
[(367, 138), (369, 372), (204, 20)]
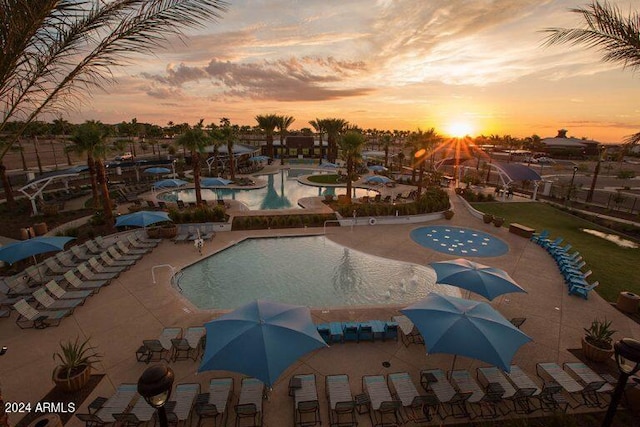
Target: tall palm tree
[(423, 145), (317, 126), (90, 139), (268, 124), (333, 127), (351, 144), (56, 51), (386, 143), (229, 135), (194, 140), (283, 123)]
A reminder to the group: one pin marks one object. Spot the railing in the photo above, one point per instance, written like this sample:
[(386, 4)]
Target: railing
[(153, 271), (328, 221)]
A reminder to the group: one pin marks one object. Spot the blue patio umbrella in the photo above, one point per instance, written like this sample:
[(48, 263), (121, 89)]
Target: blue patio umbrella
[(14, 252), (157, 171), (169, 183), (487, 281), (260, 339), (214, 182), (377, 168), (258, 159), (142, 218), (378, 179), (467, 328)]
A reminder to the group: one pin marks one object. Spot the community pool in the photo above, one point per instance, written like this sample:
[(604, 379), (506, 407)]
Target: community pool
[(459, 241), (282, 192), (311, 271)]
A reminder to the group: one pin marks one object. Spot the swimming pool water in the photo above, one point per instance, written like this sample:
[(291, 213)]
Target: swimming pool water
[(459, 241), (311, 271), (282, 192)]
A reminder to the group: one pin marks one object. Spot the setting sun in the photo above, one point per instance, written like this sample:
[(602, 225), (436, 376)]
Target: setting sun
[(459, 129)]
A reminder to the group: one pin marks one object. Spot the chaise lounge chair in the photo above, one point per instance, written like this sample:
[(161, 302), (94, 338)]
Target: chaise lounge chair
[(29, 317), (383, 410), (89, 275), (101, 269), (83, 285), (250, 401), (55, 289), (45, 300), (341, 404), (417, 408)]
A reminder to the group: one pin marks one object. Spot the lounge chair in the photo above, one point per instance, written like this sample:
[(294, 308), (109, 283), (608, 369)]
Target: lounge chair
[(341, 404), (452, 403), (190, 345), (87, 274), (161, 348), (101, 242), (6, 301), (101, 269), (118, 403), (29, 317), (91, 247), (185, 398), (80, 254), (66, 259), (365, 332), (137, 244), (526, 390), (536, 237), (417, 408), (250, 401), (464, 383), (325, 332), (551, 398), (551, 374), (45, 300), (83, 285), (583, 291), (13, 286), (113, 253), (306, 408), (183, 235), (143, 238), (215, 403), (126, 250), (350, 331), (110, 262), (55, 289), (54, 266), (594, 384), (383, 410), (37, 277), (207, 233)]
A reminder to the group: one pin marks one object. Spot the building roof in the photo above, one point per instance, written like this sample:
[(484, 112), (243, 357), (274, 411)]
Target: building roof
[(566, 142), (517, 172)]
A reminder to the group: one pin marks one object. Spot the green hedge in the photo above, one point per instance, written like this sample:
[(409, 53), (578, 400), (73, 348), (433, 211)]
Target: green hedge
[(433, 200), (199, 214), (280, 221)]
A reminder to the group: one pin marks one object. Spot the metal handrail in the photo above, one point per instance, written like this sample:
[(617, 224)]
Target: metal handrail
[(153, 271)]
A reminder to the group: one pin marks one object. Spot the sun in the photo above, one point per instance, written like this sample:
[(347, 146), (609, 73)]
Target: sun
[(459, 129)]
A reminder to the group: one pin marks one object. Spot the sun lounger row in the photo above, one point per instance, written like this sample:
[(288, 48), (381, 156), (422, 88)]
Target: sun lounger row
[(172, 345), (338, 332), (190, 233)]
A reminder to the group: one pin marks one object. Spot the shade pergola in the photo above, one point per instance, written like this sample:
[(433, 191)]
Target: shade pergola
[(34, 188)]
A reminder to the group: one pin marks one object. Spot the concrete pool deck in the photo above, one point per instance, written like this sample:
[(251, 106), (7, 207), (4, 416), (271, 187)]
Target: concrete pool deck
[(132, 308)]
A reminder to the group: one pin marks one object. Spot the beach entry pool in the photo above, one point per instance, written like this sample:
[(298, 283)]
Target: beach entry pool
[(311, 271), (459, 241), (282, 192)]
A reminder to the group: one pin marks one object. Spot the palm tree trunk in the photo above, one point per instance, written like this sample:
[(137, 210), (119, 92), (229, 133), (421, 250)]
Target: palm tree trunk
[(282, 151), (420, 177), (215, 161), (232, 161), (349, 177), (104, 190), (270, 146), (195, 159), (6, 185), (24, 160), (66, 151), (91, 164)]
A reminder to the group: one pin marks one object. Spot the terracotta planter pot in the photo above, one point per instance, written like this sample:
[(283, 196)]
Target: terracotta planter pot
[(168, 232), (498, 221), (153, 232), (594, 353), (74, 383), (487, 218), (448, 214)]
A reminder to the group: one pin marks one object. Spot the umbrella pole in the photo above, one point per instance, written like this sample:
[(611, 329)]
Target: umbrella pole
[(453, 364)]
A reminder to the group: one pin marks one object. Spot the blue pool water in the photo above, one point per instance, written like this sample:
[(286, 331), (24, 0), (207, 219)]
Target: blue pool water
[(282, 192), (311, 271), (459, 241)]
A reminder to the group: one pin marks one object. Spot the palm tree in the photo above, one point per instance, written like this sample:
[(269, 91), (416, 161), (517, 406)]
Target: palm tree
[(317, 125), (351, 144), (283, 123), (423, 145), (90, 138), (229, 135), (194, 140), (609, 31), (268, 124), (333, 127), (56, 51), (386, 143)]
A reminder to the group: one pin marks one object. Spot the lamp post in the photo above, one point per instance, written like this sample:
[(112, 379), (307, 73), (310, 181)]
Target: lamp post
[(601, 151), (627, 352), (155, 386), (573, 177)]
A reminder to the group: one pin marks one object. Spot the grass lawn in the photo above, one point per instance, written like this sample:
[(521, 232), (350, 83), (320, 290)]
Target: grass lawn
[(612, 265), (324, 179)]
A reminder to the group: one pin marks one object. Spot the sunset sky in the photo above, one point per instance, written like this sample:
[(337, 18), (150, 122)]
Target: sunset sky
[(475, 65)]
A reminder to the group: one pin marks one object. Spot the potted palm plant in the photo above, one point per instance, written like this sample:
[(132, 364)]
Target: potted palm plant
[(76, 359), (487, 218), (498, 221), (596, 343)]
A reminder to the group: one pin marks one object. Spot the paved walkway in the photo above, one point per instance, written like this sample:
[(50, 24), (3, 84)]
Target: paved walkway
[(134, 308)]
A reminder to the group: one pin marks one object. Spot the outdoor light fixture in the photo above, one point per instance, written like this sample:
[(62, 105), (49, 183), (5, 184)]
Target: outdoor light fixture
[(627, 352), (155, 386)]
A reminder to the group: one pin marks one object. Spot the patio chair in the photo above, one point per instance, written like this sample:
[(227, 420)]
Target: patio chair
[(365, 332), (84, 285), (79, 254), (325, 332), (45, 300), (250, 401), (161, 348), (452, 403), (37, 277), (583, 291), (29, 317), (118, 403), (383, 410), (66, 259), (55, 289), (13, 286), (191, 345), (350, 331), (390, 331), (183, 235), (91, 420), (126, 250), (54, 266), (92, 248), (306, 408), (87, 274), (417, 408), (181, 204), (101, 269), (594, 384), (341, 404), (551, 398), (185, 398), (214, 404), (101, 242), (207, 233), (337, 334), (536, 237), (110, 262), (117, 256), (143, 238), (139, 244)]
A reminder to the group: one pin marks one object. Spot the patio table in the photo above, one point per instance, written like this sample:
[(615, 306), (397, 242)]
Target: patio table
[(338, 389), (490, 375), (554, 372), (377, 390), (442, 388), (403, 387), (465, 384), (307, 390), (586, 376), (521, 380)]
